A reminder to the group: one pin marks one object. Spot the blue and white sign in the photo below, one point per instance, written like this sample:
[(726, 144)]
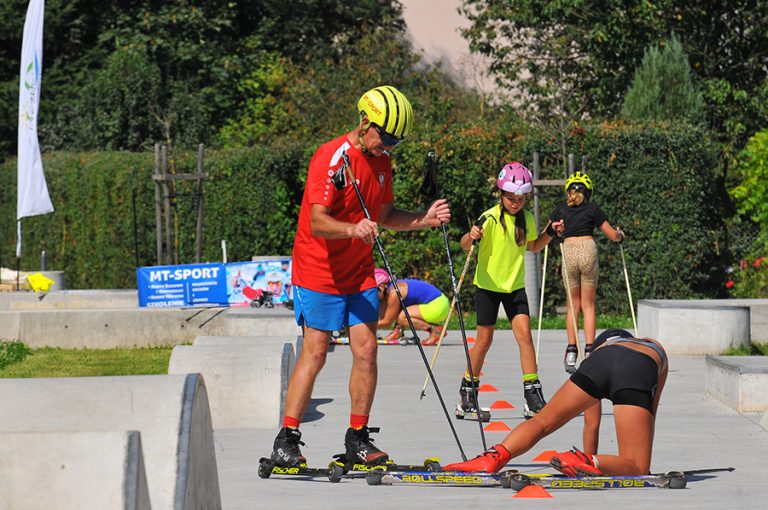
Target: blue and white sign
[(187, 285), (233, 284)]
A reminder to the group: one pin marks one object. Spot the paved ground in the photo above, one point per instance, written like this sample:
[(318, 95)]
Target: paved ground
[(693, 431)]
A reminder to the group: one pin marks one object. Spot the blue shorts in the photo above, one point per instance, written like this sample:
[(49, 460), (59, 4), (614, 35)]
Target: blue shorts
[(331, 312)]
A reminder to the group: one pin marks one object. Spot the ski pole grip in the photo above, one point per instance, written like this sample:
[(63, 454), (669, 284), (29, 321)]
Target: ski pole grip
[(479, 223)]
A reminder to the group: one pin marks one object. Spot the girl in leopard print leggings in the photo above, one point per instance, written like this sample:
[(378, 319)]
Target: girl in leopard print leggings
[(580, 257)]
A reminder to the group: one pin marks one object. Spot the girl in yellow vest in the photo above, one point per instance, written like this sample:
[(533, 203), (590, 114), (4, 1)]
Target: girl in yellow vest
[(507, 230)]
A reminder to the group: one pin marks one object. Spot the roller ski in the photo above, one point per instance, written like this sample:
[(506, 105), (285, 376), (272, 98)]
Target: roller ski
[(342, 338), (669, 480), (513, 479), (466, 409), (341, 467), (534, 398), (267, 468), (396, 337), (448, 478)]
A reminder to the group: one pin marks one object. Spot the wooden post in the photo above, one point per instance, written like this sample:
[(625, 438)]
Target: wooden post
[(158, 207), (537, 182), (536, 173), (199, 226), (166, 205)]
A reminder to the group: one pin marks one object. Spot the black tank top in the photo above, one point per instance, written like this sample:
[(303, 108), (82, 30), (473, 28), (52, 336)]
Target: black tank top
[(580, 220)]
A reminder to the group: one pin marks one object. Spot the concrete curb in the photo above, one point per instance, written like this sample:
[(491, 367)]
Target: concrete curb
[(170, 412), (247, 384), (101, 328)]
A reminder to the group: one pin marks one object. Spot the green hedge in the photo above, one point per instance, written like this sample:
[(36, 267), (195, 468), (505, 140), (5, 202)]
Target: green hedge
[(250, 199), (662, 185), (658, 182)]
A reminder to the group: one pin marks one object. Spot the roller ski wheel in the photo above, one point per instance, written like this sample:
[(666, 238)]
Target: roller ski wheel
[(336, 472), (677, 479), (374, 477), (461, 414), (515, 481), (408, 340), (265, 467), (432, 464)]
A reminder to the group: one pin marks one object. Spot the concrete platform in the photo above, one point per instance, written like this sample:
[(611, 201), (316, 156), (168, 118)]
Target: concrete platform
[(693, 431), (170, 412), (740, 382), (72, 470), (101, 328), (67, 299), (246, 384), (695, 326)]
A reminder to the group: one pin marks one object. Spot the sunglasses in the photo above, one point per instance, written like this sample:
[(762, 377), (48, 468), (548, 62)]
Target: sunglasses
[(386, 138)]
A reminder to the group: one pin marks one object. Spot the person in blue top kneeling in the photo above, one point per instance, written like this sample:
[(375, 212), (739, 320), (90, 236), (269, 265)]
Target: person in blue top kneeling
[(426, 304)]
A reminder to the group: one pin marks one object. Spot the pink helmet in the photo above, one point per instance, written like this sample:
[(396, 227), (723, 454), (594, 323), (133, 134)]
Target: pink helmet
[(381, 276), (515, 178)]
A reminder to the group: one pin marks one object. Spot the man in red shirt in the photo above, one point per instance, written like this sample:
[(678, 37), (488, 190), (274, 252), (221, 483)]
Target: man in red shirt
[(333, 279)]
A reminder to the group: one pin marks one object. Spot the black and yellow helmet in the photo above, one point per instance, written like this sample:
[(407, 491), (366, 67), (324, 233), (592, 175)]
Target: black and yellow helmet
[(389, 109), (578, 178)]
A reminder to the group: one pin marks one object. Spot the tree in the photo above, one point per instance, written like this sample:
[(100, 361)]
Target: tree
[(750, 191), (314, 100), (194, 53), (595, 45), (663, 88)]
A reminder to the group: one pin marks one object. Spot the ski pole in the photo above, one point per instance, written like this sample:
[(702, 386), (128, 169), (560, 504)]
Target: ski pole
[(450, 312), (570, 304), (347, 168), (541, 300), (432, 167), (629, 291)]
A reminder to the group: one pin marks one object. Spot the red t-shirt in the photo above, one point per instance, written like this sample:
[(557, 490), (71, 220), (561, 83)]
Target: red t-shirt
[(339, 266)]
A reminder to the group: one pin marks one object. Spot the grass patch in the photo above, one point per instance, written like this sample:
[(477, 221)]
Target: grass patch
[(548, 322), (12, 352), (748, 350), (55, 362)]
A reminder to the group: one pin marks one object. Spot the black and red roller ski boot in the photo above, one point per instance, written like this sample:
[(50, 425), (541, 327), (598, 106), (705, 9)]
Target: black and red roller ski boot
[(360, 448)]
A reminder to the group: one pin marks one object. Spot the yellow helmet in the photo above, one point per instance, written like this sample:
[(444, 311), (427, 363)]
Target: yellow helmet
[(578, 178), (389, 109)]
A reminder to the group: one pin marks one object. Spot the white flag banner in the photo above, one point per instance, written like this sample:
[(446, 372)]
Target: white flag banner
[(33, 198)]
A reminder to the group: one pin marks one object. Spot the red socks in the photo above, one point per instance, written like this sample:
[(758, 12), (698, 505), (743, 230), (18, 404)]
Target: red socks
[(358, 421)]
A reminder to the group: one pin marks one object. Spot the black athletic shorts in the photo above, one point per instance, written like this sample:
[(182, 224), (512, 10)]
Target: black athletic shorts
[(620, 374), (487, 305)]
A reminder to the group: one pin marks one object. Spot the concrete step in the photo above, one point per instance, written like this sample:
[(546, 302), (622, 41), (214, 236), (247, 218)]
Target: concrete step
[(740, 382)]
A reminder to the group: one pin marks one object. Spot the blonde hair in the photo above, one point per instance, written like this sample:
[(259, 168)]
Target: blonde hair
[(575, 198)]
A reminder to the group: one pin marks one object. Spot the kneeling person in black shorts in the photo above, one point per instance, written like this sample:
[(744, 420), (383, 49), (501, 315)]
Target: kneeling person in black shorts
[(630, 372)]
